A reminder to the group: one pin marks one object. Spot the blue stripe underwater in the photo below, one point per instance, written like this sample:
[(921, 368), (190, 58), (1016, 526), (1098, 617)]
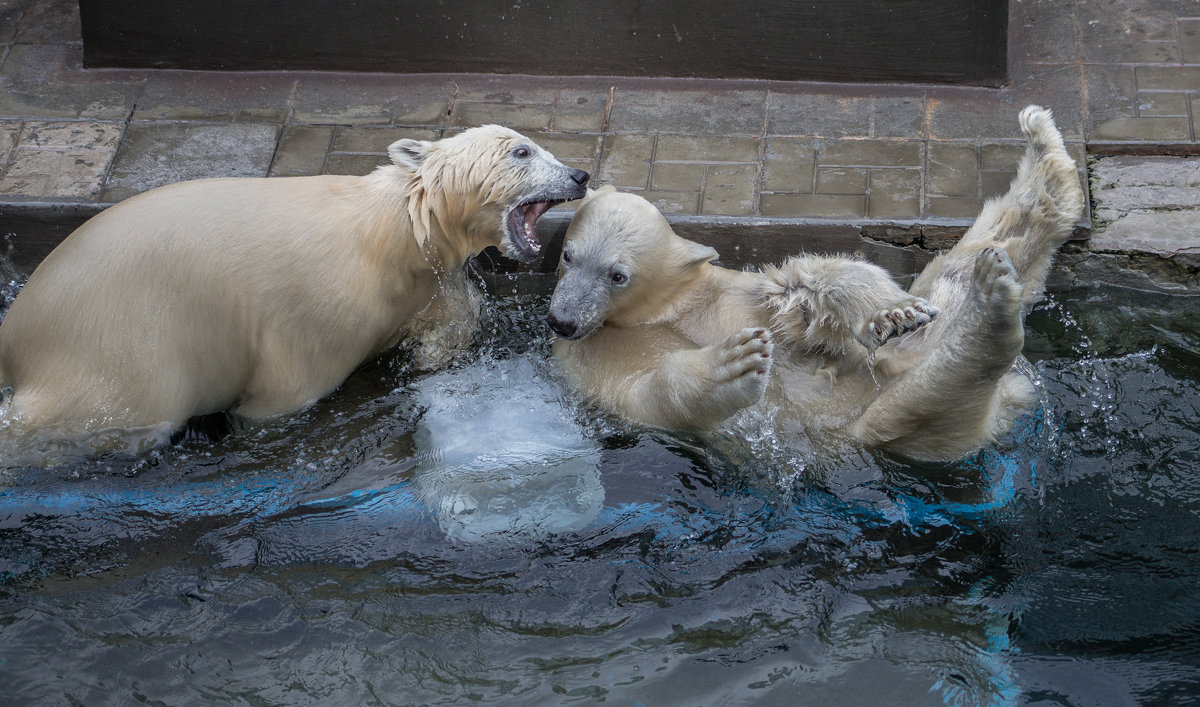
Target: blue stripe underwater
[(290, 490), (264, 497)]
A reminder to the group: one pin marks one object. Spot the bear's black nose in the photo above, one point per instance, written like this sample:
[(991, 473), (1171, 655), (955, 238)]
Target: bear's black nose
[(564, 329), (580, 177)]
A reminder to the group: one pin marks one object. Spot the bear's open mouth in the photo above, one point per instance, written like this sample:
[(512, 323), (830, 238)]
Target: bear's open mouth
[(522, 227)]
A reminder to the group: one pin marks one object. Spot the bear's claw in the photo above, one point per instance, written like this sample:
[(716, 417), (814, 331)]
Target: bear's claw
[(747, 351), (896, 320)]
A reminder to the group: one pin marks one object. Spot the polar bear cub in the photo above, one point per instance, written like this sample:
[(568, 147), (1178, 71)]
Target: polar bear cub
[(260, 296), (649, 328)]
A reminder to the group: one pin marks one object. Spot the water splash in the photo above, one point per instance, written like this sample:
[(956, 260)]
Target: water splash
[(731, 551), (12, 277), (497, 452), (1093, 377), (752, 439)]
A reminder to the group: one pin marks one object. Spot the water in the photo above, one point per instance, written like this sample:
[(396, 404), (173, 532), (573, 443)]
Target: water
[(477, 535)]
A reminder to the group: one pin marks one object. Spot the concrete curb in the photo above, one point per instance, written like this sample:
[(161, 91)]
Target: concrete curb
[(31, 229)]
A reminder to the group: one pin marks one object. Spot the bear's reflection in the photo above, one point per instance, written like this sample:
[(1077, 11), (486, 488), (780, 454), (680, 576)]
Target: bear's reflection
[(499, 453)]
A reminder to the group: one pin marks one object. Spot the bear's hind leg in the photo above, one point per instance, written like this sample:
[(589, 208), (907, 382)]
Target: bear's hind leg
[(945, 406), (1030, 221), (1047, 202)]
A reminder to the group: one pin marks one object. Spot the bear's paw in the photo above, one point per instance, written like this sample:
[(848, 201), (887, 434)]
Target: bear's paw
[(895, 320), (743, 364)]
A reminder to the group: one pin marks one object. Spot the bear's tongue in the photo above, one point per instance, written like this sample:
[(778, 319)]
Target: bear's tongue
[(532, 212)]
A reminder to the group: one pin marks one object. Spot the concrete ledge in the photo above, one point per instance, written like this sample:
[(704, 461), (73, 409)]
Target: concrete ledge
[(1146, 223), (30, 230), (1146, 218)]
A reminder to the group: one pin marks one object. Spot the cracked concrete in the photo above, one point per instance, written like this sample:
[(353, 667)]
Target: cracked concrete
[(1146, 223)]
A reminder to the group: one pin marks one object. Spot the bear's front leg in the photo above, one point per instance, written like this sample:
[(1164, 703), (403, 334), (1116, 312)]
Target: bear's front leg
[(698, 388), (833, 304), (740, 368)]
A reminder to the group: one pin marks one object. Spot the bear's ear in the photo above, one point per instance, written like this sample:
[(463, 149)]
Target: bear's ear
[(409, 153), (593, 193), (698, 253)]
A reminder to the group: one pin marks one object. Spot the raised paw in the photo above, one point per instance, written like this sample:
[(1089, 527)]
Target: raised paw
[(1038, 126), (994, 281), (748, 351), (742, 365), (897, 319)]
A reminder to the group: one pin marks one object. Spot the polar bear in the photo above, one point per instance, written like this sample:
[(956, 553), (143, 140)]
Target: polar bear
[(259, 296), (649, 328)]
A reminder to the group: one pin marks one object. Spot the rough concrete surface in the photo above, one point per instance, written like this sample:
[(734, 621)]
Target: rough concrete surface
[(909, 165), (1146, 218)]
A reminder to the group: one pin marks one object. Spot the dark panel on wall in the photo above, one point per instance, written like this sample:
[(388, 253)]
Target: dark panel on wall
[(954, 41)]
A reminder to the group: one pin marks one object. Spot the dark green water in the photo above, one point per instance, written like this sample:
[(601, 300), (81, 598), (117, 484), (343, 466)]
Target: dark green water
[(476, 536)]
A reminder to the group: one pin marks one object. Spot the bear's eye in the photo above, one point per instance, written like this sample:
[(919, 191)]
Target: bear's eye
[(566, 257), (521, 152), (619, 278)]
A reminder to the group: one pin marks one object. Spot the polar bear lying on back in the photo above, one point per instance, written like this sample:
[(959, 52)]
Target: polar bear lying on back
[(260, 296), (650, 329)]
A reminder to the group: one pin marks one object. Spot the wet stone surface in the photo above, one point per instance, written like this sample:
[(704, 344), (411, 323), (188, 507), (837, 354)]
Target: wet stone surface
[(1149, 204), (153, 155), (65, 160), (1146, 226)]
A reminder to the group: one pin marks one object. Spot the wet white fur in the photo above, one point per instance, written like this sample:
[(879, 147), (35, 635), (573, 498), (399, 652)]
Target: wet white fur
[(260, 295), (945, 387)]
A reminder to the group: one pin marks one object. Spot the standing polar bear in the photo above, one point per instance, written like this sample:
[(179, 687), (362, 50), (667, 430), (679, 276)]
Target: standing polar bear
[(259, 296), (651, 329)]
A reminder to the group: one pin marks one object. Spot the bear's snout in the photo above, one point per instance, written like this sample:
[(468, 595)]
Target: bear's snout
[(563, 328), (580, 177)]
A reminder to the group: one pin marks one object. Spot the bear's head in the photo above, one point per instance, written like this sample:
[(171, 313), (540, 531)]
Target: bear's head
[(489, 184), (621, 264)]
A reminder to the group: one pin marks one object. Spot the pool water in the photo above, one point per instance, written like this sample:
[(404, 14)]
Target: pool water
[(476, 534)]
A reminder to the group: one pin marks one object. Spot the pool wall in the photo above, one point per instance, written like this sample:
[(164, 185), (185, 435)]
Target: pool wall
[(32, 230)]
